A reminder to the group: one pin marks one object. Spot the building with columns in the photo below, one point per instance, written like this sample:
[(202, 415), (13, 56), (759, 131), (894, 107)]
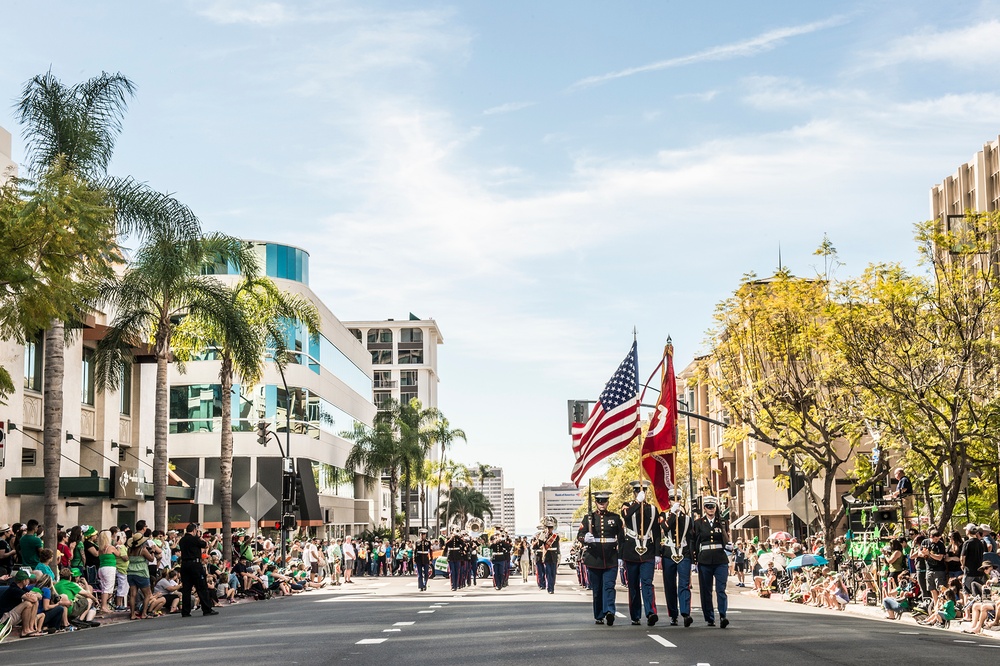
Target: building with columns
[(975, 186)]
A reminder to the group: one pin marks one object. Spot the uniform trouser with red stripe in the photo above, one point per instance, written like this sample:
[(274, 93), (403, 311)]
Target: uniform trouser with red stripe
[(500, 573), (581, 574), (602, 585), (640, 580), (540, 574)]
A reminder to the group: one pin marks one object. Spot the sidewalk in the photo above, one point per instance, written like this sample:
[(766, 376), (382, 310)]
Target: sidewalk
[(876, 613)]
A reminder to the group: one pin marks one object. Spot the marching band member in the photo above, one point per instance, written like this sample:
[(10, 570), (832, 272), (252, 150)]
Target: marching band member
[(678, 536), (710, 538), (641, 545), (453, 549), (601, 532), (500, 547)]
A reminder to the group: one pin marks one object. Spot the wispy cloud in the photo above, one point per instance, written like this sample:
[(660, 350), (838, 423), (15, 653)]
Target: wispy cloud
[(972, 45), (706, 96), (507, 108), (742, 49), (239, 11)]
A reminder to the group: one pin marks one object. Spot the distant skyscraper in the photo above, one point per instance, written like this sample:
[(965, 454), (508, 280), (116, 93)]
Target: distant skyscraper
[(508, 510), (560, 502), (492, 488)]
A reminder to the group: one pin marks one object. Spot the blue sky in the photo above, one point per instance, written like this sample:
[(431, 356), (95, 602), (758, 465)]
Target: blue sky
[(538, 177)]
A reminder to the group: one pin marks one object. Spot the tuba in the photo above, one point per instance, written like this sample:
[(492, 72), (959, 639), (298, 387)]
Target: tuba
[(475, 527)]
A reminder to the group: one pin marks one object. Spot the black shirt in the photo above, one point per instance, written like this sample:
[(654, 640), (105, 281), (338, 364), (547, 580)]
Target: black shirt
[(191, 547), (904, 487), (973, 550), (938, 548), (11, 597)]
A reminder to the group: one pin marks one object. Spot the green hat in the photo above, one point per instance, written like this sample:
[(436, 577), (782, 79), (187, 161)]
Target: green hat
[(75, 571), (23, 575), (89, 531), (756, 539)]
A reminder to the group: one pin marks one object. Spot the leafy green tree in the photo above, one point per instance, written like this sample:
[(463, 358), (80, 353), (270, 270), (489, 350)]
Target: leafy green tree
[(261, 314), (162, 285), (412, 425), (464, 503), (376, 451), (774, 366), (483, 471), (924, 352)]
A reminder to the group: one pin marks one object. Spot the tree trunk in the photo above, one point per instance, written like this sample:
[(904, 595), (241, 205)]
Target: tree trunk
[(393, 489), (52, 434), (226, 459), (405, 501), (438, 497), (160, 425)]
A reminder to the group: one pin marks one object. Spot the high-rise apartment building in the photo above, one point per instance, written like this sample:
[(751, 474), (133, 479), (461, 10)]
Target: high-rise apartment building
[(508, 520), (560, 502), (975, 186), (404, 366), (491, 485)]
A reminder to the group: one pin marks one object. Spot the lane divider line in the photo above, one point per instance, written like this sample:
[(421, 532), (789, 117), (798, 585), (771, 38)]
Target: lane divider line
[(371, 641), (403, 624), (661, 640), (426, 611)]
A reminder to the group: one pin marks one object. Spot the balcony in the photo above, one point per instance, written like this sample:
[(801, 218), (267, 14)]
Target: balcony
[(384, 383)]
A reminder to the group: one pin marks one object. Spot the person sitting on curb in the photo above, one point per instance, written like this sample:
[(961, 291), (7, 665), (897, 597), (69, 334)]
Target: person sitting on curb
[(945, 611), (83, 601), (902, 599), (19, 605)]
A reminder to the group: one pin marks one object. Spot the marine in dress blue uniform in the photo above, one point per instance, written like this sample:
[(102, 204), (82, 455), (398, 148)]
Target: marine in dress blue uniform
[(454, 551), (550, 554), (677, 528), (601, 534), (500, 547), (640, 551), (710, 538), (422, 559)]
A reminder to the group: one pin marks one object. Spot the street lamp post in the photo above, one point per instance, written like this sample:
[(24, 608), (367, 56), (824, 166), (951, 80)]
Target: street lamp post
[(286, 462), (687, 435)]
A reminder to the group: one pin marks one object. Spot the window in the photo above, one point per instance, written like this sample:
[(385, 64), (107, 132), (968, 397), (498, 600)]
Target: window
[(408, 378), (121, 454), (405, 398), (411, 356), (193, 407), (33, 356), (125, 392), (383, 379), (381, 357), (28, 458), (381, 397), (87, 392), (356, 332), (411, 335), (379, 335)]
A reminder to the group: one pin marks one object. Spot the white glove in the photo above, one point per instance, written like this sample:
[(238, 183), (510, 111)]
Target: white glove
[(658, 560), (675, 507), (621, 564), (641, 496), (588, 538)]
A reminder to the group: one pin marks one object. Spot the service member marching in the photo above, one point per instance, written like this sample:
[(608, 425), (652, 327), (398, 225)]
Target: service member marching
[(710, 538), (640, 552), (550, 554), (454, 550), (500, 547), (601, 532), (678, 536), (422, 559)]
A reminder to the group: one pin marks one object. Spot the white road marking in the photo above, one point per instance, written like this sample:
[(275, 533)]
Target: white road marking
[(427, 611), (388, 630), (370, 641), (910, 633), (404, 624), (992, 646), (661, 640), (702, 663), (960, 641), (617, 614)]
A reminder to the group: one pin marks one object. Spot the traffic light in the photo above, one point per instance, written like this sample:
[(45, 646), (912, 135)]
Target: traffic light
[(277, 525), (577, 412), (288, 521), (288, 488), (262, 433)]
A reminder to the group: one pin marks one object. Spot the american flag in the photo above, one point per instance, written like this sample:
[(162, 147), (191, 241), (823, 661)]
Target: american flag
[(614, 421)]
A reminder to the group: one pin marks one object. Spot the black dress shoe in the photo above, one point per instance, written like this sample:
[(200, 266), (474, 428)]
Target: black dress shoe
[(724, 622), (609, 619), (652, 619), (211, 611), (673, 622), (688, 620), (636, 623), (600, 621), (710, 624)]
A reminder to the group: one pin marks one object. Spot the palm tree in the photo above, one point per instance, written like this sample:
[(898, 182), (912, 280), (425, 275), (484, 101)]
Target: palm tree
[(72, 129), (453, 473), (377, 450), (162, 285), (442, 433), (483, 472), (264, 309), (413, 425), (464, 503)]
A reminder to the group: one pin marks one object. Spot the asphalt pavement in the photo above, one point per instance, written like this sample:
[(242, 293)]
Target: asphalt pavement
[(388, 620)]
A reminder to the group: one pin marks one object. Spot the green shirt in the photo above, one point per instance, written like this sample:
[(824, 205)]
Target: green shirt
[(69, 588), (121, 563), (30, 545), (949, 610)]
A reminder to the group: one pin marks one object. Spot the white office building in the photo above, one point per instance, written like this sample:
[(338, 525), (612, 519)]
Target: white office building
[(508, 521), (560, 502)]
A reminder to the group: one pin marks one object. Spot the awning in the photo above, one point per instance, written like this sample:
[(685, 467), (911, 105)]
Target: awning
[(749, 521)]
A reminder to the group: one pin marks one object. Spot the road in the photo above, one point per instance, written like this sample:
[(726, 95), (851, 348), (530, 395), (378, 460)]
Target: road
[(389, 621)]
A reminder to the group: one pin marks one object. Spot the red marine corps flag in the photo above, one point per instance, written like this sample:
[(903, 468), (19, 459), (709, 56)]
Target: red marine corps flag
[(661, 437)]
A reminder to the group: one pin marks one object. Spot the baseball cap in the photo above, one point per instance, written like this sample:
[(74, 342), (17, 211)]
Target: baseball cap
[(23, 575)]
